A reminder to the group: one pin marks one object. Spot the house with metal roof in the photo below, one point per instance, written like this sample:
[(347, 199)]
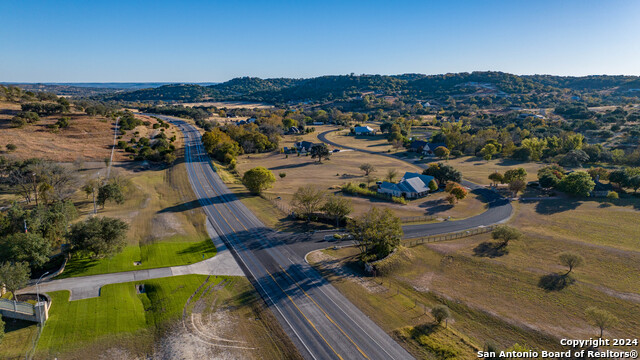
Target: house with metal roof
[(364, 130), (411, 186)]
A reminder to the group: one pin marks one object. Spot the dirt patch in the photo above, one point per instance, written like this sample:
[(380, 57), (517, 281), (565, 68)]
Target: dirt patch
[(165, 225)]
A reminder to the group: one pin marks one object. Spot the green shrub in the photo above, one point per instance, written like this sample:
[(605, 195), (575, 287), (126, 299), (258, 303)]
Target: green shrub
[(350, 188)]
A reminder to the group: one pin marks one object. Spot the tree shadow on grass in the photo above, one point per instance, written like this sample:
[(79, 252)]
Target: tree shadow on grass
[(293, 166), (490, 250), (198, 248), (436, 206), (555, 281), (78, 265), (424, 329), (548, 207)]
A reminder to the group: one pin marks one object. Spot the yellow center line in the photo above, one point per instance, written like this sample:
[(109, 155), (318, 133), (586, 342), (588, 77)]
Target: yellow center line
[(325, 313), (274, 280), (303, 315)]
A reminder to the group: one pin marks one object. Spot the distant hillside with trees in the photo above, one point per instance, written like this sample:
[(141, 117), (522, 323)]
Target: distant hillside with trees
[(483, 89)]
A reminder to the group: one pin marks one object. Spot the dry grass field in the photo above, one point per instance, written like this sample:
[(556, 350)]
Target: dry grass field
[(502, 296), (473, 169), (477, 170), (343, 167), (372, 143), (87, 137)]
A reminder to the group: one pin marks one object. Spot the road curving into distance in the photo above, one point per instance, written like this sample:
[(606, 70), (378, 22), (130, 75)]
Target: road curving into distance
[(320, 321), (499, 209)]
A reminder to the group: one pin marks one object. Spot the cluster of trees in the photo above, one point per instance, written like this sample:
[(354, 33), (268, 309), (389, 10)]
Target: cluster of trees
[(443, 173), (532, 138), (376, 233), (24, 118), (128, 121), (227, 142), (456, 192), (309, 202), (38, 180), (577, 183), (160, 149), (398, 131), (195, 113), (516, 179), (94, 107), (98, 237), (623, 178), (29, 235), (59, 106)]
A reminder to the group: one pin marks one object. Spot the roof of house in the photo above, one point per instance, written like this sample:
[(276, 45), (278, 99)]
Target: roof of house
[(410, 183), (434, 146), (363, 129), (416, 144), (602, 187), (305, 144)]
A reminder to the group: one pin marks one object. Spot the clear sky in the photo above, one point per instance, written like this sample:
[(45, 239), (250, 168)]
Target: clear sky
[(202, 41)]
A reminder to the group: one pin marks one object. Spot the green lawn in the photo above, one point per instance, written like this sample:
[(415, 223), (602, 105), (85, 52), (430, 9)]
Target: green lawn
[(154, 255), (18, 339), (118, 311)]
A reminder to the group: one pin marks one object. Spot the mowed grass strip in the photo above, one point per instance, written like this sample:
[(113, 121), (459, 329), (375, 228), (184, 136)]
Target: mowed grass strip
[(117, 312), (18, 339), (150, 256)]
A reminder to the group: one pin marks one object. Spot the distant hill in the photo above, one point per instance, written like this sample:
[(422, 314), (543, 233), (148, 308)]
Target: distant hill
[(518, 89), (89, 89)]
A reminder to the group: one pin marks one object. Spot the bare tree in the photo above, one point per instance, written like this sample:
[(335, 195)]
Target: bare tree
[(392, 174), (367, 168), (23, 182)]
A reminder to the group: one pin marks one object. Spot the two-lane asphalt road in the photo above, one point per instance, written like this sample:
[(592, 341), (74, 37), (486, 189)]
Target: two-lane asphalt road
[(321, 322), (498, 210)]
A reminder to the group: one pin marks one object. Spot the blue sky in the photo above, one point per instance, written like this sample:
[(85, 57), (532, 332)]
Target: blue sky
[(201, 41)]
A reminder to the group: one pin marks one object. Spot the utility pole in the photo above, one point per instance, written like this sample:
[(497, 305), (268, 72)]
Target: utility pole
[(35, 188), (95, 209), (38, 296)]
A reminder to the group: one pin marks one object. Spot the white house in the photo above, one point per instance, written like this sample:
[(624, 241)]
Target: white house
[(411, 186), (364, 130)]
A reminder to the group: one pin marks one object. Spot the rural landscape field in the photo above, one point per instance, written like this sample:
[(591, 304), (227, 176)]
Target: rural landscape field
[(319, 180)]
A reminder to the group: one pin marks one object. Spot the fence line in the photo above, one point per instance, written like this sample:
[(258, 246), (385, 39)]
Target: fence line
[(278, 203), (409, 219), (449, 236), (18, 306)]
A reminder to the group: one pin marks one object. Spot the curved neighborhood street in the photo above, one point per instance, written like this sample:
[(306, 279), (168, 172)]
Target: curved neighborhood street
[(499, 209)]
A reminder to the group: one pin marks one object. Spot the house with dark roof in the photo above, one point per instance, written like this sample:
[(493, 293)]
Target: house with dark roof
[(431, 147), (304, 146), (424, 147), (417, 145), (601, 190), (411, 186)]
